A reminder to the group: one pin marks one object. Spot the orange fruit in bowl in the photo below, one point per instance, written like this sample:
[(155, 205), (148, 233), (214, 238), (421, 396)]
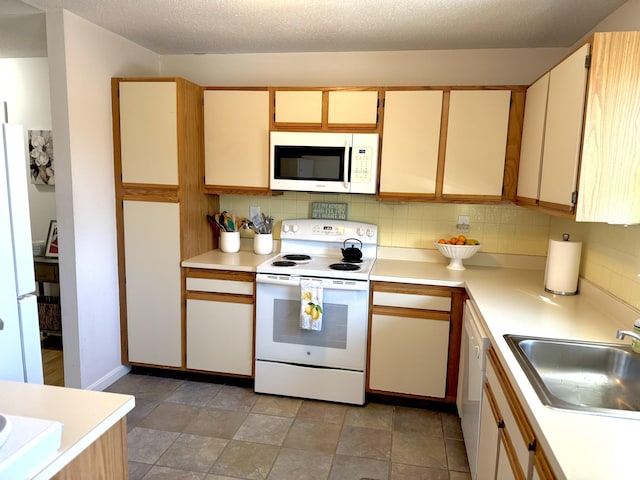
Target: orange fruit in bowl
[(462, 238), (442, 240), (460, 242), (453, 240)]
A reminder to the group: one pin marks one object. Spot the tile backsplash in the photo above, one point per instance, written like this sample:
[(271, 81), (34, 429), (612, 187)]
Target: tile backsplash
[(610, 253), (500, 229)]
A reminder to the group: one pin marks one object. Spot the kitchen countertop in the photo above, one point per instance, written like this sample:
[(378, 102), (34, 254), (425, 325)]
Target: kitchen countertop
[(84, 414), (511, 299)]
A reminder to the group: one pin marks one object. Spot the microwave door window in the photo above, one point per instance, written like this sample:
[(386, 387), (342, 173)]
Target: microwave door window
[(309, 163), (325, 167)]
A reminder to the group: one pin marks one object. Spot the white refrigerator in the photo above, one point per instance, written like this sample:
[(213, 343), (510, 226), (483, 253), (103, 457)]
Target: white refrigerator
[(20, 353)]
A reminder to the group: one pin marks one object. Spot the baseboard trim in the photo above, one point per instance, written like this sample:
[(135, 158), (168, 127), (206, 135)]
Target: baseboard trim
[(110, 378)]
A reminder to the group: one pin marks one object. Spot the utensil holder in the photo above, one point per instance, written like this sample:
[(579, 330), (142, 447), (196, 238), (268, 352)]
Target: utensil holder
[(263, 243), (230, 242)]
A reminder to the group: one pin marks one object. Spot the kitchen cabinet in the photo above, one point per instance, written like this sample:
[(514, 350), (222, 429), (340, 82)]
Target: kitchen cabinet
[(220, 321), (325, 109), (535, 112), (476, 143), (410, 142), (412, 327), (236, 141), (590, 156), (508, 446), (451, 145), (160, 210)]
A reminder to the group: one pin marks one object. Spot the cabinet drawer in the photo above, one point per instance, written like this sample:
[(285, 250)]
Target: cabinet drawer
[(410, 300), (219, 286)]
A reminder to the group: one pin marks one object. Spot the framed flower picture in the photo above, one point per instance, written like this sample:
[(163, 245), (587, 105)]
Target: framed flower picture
[(51, 247), (41, 157)]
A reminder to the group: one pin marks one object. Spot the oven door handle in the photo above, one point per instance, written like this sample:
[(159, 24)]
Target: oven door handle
[(327, 283)]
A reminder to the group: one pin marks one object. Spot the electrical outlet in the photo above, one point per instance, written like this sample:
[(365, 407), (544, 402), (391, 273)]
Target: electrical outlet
[(254, 212), (463, 223)]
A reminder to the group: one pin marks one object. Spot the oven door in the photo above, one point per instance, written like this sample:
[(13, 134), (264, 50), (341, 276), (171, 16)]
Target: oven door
[(341, 343)]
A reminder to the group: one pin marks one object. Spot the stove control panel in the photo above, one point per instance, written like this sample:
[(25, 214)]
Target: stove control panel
[(328, 230)]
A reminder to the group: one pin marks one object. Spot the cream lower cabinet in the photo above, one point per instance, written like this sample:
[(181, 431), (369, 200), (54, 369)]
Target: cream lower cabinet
[(152, 263), (508, 447), (410, 338), (219, 322)]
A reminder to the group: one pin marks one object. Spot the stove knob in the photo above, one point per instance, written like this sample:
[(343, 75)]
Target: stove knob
[(370, 232), (360, 231), (294, 228), (285, 227)]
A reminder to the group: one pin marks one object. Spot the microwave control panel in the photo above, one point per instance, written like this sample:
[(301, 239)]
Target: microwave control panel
[(361, 161)]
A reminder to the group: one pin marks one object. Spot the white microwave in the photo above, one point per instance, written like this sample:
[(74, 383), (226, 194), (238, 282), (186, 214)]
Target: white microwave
[(324, 162)]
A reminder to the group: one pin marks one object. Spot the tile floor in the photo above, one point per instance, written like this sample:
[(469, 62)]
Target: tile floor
[(188, 430)]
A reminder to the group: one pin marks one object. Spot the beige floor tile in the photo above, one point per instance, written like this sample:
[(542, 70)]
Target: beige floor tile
[(459, 476), (456, 455), (251, 461), (372, 415), (451, 425), (350, 468), (215, 422), (195, 393), (301, 465), (138, 470), (413, 472), (264, 429), (315, 436), (165, 473), (419, 449), (145, 387), (365, 442), (416, 420), (172, 417), (234, 398), (274, 405), (147, 445), (318, 411), (193, 452)]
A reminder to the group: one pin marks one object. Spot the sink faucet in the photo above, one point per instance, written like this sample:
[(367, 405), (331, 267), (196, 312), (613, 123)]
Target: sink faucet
[(620, 334)]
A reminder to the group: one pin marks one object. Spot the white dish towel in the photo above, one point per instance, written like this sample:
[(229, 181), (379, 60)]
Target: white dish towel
[(311, 304)]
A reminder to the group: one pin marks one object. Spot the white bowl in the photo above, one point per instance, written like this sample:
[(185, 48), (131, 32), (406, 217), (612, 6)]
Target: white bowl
[(456, 253)]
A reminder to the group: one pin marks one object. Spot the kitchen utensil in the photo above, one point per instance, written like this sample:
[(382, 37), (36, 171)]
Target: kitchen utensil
[(229, 221), (352, 254), (220, 221)]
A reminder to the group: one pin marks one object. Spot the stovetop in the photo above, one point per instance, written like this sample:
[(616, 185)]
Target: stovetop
[(323, 241)]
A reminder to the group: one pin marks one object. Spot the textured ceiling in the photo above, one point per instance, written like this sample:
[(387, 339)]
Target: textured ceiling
[(258, 26)]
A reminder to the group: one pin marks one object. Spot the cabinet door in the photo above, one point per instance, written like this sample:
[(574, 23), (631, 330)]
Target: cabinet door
[(220, 336), (148, 132), (299, 106), (476, 142), (563, 131), (535, 112), (236, 138), (411, 141), (353, 108), (505, 469), (152, 269), (409, 355)]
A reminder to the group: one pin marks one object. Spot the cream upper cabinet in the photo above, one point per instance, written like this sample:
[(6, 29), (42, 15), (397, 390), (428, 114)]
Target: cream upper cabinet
[(476, 142), (535, 112), (236, 138), (353, 107), (563, 131), (298, 106), (148, 132), (325, 109), (411, 141)]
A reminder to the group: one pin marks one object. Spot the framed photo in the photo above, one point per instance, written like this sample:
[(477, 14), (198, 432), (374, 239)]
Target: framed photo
[(51, 247)]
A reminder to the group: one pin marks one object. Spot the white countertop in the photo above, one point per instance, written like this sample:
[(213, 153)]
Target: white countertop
[(84, 414), (243, 261), (511, 298)]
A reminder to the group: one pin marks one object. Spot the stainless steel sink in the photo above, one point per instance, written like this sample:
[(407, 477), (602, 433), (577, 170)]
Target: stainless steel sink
[(599, 378)]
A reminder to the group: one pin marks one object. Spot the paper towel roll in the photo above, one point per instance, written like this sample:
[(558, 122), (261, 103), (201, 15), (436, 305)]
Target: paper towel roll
[(563, 266)]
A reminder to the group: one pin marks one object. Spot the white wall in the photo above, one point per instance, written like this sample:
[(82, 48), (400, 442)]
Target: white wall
[(83, 57), (434, 67), (24, 85)]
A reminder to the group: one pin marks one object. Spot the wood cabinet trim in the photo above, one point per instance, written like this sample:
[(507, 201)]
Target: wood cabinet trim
[(151, 193), (220, 297), (220, 274), (541, 464), (411, 313), (410, 288), (516, 468)]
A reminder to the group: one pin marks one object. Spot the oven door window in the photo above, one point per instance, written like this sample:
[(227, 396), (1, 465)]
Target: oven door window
[(341, 343), (286, 325), (309, 163)]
